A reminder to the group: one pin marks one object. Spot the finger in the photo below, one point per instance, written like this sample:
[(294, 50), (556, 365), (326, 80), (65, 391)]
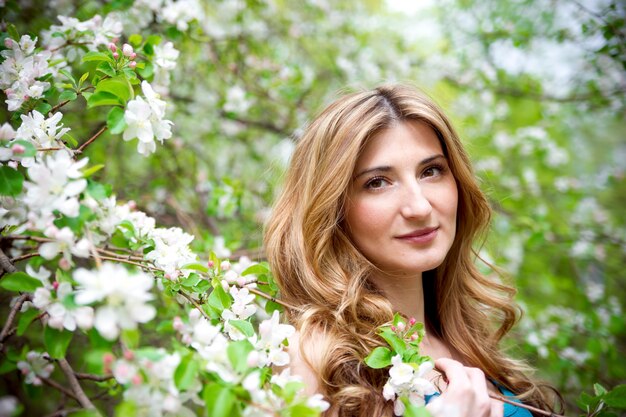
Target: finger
[(478, 381), (453, 370), (497, 408)]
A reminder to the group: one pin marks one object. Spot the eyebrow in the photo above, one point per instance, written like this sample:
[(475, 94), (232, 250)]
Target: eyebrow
[(387, 168)]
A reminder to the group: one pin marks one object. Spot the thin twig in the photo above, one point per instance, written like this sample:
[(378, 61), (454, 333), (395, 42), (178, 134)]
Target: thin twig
[(90, 140), (64, 412), (526, 406), (59, 387), (33, 238), (82, 399), (58, 106), (16, 307), (92, 377), (111, 258), (121, 256), (24, 257), (57, 148), (195, 304), (269, 297)]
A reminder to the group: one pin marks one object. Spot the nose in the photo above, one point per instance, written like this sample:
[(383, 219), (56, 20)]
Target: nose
[(415, 203)]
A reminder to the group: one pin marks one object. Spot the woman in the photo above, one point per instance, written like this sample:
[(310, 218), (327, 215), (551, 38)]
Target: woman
[(378, 215)]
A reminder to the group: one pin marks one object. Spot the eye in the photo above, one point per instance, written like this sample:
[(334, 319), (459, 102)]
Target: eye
[(376, 183), (433, 171)]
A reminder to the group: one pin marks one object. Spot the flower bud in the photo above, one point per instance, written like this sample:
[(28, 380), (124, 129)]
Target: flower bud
[(136, 379), (9, 43), (225, 285), (129, 355), (18, 149), (55, 285), (132, 64), (107, 359), (112, 47), (132, 204), (241, 281), (401, 326), (178, 324), (12, 164), (116, 55), (132, 56), (412, 321), (225, 266), (253, 359), (414, 336), (393, 328), (211, 264), (64, 264), (127, 49)]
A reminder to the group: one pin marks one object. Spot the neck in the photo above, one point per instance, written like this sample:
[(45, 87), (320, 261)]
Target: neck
[(406, 294)]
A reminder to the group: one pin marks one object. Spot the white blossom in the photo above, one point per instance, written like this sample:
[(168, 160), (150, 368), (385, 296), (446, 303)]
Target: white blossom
[(42, 132), (171, 250), (144, 119), (409, 382), (35, 367), (20, 69), (60, 315), (55, 184), (181, 12), (124, 297)]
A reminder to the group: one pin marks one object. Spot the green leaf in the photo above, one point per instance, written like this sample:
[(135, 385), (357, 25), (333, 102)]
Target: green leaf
[(68, 95), (20, 281), (115, 120), (135, 39), (43, 107), (126, 409), (69, 76), (616, 397), (271, 306), (146, 71), (219, 400), (397, 344), (92, 170), (219, 300), (379, 358), (255, 269), (191, 280), (243, 326), (118, 86), (186, 372), (131, 338), (56, 342), (82, 79), (85, 413), (599, 389), (98, 191), (13, 33), (103, 98), (106, 68), (414, 411), (195, 266), (302, 410), (26, 318), (95, 56), (238, 354), (11, 181)]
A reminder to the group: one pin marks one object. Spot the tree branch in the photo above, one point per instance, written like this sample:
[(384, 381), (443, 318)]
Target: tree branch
[(59, 387), (82, 399), (5, 264), (90, 140), (92, 377), (16, 307)]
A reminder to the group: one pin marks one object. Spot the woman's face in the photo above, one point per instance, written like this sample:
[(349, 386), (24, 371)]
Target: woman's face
[(401, 207)]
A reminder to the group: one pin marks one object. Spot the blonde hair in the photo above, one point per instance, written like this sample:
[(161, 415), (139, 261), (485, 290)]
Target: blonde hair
[(319, 270)]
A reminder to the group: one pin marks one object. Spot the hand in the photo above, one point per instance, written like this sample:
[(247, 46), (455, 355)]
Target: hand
[(466, 394)]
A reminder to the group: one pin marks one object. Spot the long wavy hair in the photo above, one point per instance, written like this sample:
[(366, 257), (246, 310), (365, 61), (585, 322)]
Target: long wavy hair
[(320, 271)]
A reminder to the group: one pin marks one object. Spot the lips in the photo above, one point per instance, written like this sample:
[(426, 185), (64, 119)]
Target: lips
[(424, 235)]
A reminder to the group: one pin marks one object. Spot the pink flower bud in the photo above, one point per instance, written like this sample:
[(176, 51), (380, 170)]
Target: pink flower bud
[(18, 149), (132, 56), (127, 49), (412, 321), (393, 328), (25, 371), (112, 47), (64, 264), (136, 379), (225, 266), (132, 64), (178, 324), (253, 359), (26, 97), (211, 264), (9, 43), (108, 358), (129, 355), (414, 336), (116, 55), (401, 326), (132, 204), (55, 285), (241, 281)]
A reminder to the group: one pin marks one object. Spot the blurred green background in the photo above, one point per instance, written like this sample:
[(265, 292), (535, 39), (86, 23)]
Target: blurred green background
[(537, 89)]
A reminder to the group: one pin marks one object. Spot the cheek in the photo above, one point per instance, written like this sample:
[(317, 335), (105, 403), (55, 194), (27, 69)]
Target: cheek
[(364, 217)]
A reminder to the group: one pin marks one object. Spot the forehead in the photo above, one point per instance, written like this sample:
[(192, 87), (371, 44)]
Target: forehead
[(402, 142)]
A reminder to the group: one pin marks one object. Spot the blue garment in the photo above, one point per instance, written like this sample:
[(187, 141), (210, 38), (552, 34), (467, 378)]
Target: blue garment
[(509, 409)]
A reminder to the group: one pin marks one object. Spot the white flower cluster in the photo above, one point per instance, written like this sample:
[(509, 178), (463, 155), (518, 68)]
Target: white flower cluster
[(36, 366), (145, 120), (409, 382), (68, 39), (55, 183), (42, 132), (151, 384), (241, 309), (20, 69), (124, 297), (165, 56)]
